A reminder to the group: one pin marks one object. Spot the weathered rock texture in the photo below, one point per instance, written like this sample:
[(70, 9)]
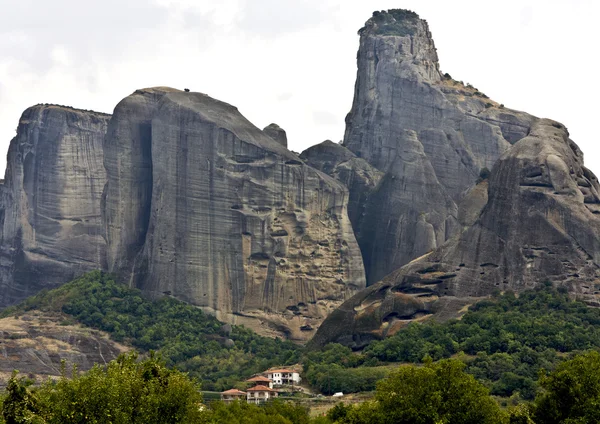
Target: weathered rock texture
[(50, 220), (428, 134), (202, 205), (356, 174), (541, 223), (536, 219), (37, 342), (276, 133)]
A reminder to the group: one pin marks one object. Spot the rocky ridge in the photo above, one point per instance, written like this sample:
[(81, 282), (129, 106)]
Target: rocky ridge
[(429, 136), (36, 343), (231, 220), (534, 220)]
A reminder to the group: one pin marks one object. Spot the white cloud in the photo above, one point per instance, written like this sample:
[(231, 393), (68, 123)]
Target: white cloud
[(292, 62)]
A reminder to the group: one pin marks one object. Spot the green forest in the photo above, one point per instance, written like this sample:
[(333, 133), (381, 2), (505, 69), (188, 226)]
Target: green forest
[(129, 391), (505, 342), (512, 348)]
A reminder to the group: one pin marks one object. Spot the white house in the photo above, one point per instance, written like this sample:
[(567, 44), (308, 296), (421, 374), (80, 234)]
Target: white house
[(282, 377), (260, 394)]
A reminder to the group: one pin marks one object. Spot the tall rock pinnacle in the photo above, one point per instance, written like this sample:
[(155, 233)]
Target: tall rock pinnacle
[(429, 135)]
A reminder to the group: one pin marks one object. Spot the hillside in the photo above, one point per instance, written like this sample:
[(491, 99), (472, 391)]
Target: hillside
[(505, 342), (218, 355), (36, 342)]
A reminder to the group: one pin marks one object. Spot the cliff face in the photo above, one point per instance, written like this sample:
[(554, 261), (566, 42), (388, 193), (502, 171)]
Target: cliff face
[(541, 223), (355, 173), (179, 195), (224, 216), (427, 133), (50, 218)]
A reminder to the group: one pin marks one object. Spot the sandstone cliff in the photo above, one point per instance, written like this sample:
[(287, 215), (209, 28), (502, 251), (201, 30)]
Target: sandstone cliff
[(541, 223), (429, 135), (202, 205), (50, 218), (534, 220)]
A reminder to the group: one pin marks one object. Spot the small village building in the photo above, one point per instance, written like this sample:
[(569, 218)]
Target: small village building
[(260, 394), (260, 380), (232, 394), (281, 377)]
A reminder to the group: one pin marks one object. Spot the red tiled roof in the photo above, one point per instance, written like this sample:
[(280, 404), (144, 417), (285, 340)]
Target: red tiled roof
[(259, 388), (280, 370), (233, 392), (259, 378)]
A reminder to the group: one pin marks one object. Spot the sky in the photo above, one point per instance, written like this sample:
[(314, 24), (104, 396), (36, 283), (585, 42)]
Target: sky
[(292, 62)]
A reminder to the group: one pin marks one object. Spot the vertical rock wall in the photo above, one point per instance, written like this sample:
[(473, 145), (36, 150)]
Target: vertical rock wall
[(50, 214), (237, 224), (429, 134)]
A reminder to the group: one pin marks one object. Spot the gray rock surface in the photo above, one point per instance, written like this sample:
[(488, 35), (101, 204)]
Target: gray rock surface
[(237, 224), (355, 173), (50, 218), (276, 133), (429, 134), (128, 163), (541, 223)]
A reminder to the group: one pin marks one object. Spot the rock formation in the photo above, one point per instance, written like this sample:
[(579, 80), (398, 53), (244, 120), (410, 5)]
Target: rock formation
[(535, 219), (355, 173), (50, 220), (540, 224), (429, 135), (179, 195), (36, 343), (202, 205), (276, 133)]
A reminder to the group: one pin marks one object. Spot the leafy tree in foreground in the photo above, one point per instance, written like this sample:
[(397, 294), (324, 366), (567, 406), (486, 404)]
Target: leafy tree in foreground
[(435, 393), (571, 394), (126, 391)]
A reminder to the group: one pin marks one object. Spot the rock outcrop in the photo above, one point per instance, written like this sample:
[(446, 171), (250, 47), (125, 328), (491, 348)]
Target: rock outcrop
[(202, 205), (540, 224), (50, 219), (534, 220), (36, 343), (355, 173), (276, 133), (429, 135)]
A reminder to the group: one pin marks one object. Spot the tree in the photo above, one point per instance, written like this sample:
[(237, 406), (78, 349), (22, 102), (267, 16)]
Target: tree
[(571, 394), (19, 405), (126, 391), (435, 393)]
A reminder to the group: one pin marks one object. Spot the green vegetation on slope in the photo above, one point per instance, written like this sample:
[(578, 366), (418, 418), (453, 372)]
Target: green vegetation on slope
[(187, 338), (128, 391), (505, 343)]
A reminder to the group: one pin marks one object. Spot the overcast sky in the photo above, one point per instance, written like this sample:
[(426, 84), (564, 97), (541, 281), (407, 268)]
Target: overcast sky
[(292, 62)]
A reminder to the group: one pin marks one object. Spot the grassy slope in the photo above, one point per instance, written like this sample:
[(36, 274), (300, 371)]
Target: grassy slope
[(186, 337)]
